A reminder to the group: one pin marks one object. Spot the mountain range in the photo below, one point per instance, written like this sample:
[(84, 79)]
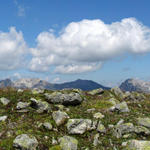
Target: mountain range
[(127, 85), (37, 83)]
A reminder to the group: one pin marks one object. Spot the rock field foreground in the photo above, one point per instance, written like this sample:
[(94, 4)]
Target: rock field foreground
[(72, 119)]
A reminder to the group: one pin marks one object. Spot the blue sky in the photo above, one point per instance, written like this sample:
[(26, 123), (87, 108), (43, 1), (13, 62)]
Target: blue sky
[(108, 41)]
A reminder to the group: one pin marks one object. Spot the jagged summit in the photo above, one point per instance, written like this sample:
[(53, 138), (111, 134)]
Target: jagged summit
[(135, 85)]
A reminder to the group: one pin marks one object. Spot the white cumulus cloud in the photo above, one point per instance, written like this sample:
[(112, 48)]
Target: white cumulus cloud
[(12, 49), (83, 46)]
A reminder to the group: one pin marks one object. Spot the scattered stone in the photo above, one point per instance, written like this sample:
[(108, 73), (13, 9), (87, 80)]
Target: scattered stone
[(68, 143), (40, 106), (118, 92), (60, 117), (65, 99), (121, 121), (79, 126), (101, 128), (4, 101), (137, 145), (98, 115), (22, 105), (144, 122), (122, 129), (96, 91), (25, 142), (142, 130), (47, 125), (121, 107), (3, 118), (96, 139)]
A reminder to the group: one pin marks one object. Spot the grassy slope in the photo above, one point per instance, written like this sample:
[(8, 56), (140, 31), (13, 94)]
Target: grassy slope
[(19, 123)]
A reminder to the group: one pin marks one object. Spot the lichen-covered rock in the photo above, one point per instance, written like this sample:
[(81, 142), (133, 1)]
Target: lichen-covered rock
[(40, 106), (47, 125), (101, 128), (144, 122), (79, 126), (68, 143), (96, 91), (122, 129), (118, 92), (60, 117), (4, 101), (98, 115), (142, 130), (3, 118), (65, 99), (137, 145), (25, 142), (22, 105), (121, 107)]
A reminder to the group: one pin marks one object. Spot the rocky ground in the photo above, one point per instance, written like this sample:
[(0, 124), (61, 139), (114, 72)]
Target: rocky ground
[(74, 120)]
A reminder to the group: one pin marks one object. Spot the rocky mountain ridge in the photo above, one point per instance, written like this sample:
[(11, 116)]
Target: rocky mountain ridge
[(130, 85), (30, 83)]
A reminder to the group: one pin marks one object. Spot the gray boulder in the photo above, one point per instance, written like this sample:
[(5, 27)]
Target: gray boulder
[(79, 126), (141, 130), (40, 106), (68, 143), (144, 122), (118, 92), (96, 91), (121, 129), (4, 101), (22, 105), (65, 99), (121, 107), (25, 142), (60, 117), (47, 125), (137, 145), (101, 128)]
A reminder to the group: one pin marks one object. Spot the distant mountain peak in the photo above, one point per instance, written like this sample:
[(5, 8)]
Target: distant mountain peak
[(135, 85)]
